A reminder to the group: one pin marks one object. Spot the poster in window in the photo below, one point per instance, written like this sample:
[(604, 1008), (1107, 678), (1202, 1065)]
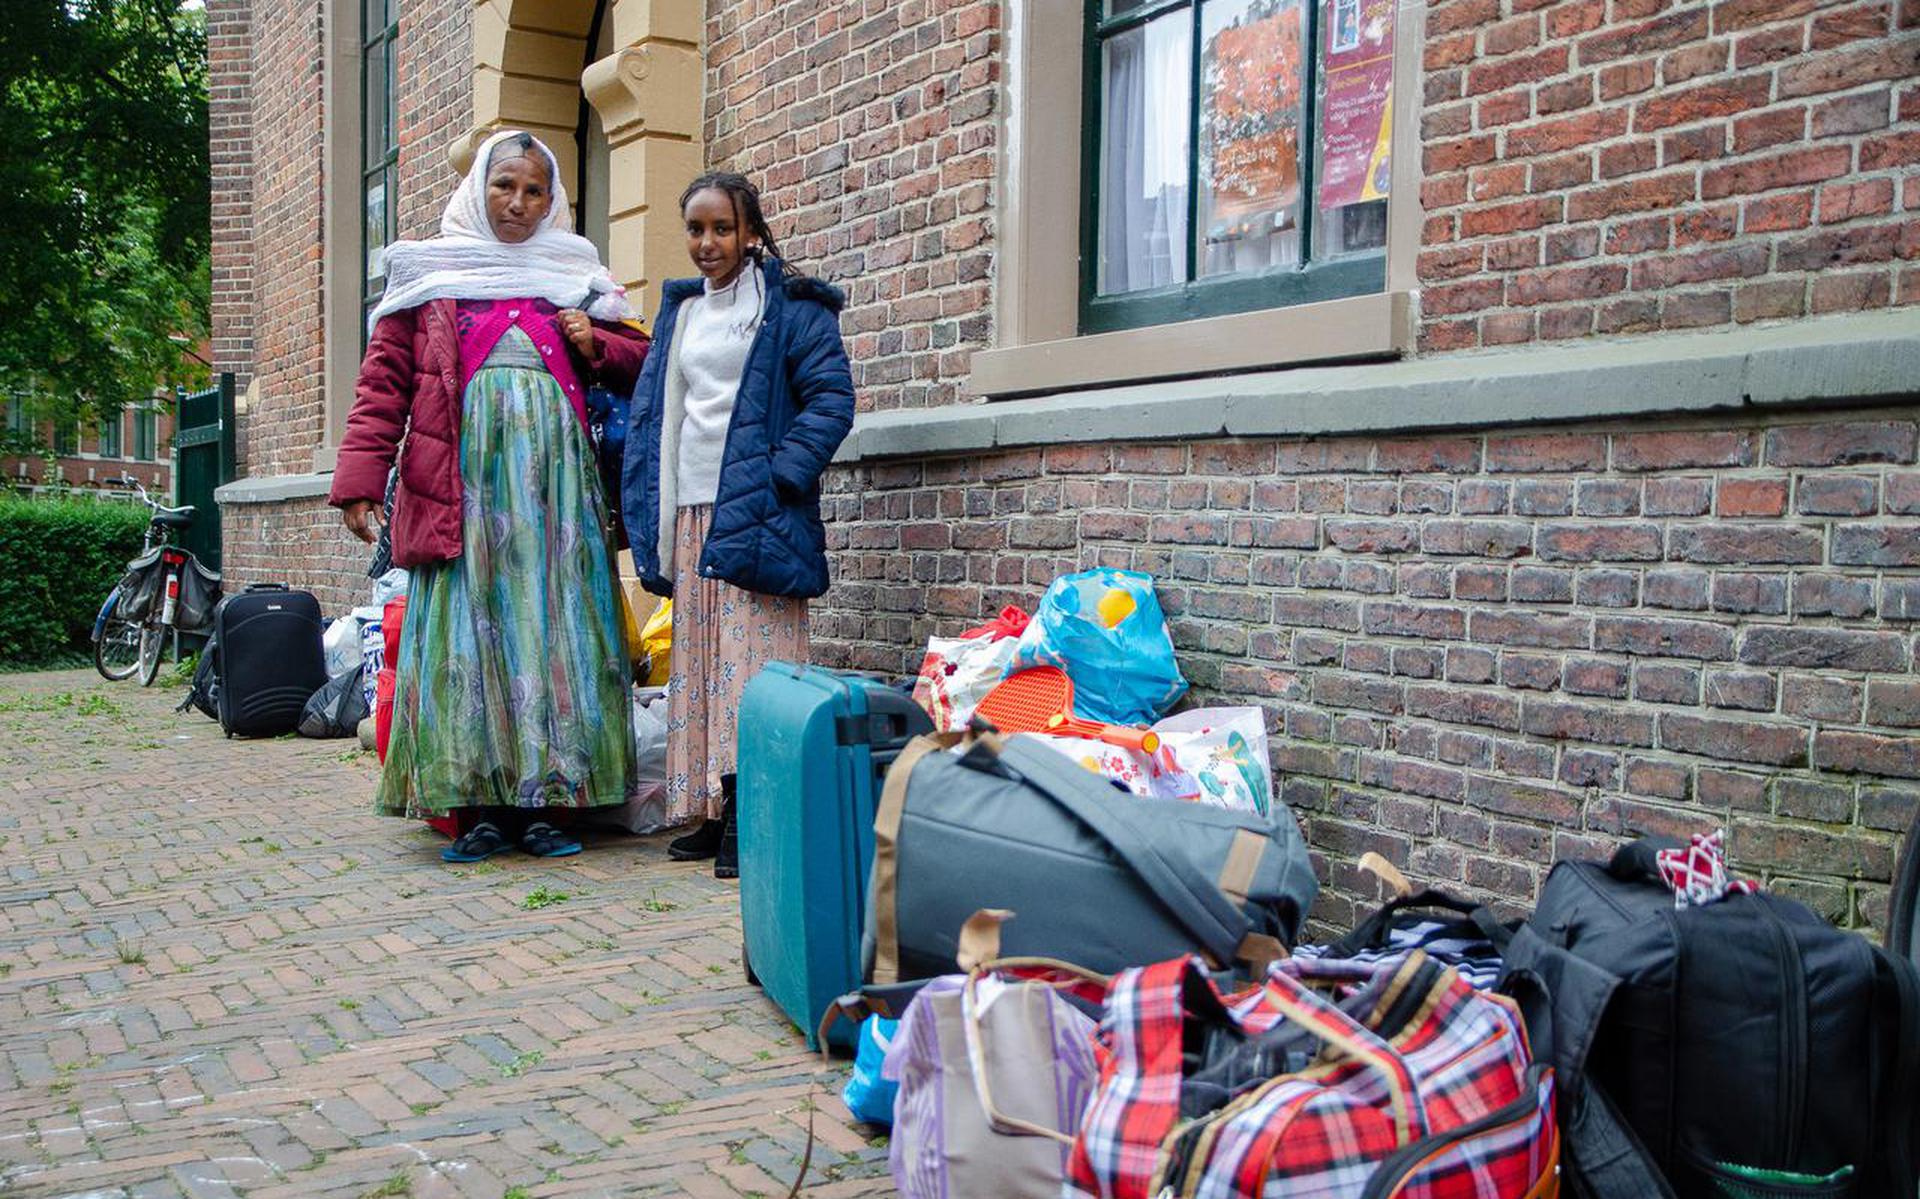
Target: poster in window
[(376, 230), (1356, 126), (1252, 78)]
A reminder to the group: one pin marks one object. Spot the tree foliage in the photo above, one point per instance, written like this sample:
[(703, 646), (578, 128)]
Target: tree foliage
[(104, 204)]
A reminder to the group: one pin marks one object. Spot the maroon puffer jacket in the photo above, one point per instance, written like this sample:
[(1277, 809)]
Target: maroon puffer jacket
[(410, 385)]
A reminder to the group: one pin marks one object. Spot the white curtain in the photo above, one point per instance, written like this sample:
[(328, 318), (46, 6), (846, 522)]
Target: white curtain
[(1143, 189)]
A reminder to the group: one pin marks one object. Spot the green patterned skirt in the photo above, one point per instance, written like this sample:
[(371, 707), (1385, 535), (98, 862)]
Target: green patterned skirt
[(512, 681)]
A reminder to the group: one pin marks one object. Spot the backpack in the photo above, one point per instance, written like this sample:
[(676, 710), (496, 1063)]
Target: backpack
[(203, 691), (1736, 1046), (337, 709)]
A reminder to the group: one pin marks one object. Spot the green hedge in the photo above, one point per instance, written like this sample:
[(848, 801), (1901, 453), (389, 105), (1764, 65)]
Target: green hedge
[(58, 557)]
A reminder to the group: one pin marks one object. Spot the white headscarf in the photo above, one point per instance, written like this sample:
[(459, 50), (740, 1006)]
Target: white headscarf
[(467, 262)]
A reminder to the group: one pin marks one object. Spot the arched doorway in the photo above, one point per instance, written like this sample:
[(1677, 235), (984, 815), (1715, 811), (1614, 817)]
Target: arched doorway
[(642, 89)]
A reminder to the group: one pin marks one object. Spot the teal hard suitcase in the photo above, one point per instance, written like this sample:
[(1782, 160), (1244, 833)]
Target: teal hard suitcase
[(814, 748)]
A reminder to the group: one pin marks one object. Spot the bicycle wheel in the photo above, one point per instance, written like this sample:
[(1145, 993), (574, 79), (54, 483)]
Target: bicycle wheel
[(153, 640), (116, 655), (1903, 922)]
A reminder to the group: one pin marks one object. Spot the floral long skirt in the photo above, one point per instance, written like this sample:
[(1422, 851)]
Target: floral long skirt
[(722, 636), (512, 685)]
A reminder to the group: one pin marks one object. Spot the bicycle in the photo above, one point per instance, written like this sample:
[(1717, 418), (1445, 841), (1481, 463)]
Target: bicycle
[(165, 589)]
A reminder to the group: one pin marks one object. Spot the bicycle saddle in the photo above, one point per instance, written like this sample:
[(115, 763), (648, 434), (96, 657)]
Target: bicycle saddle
[(173, 518)]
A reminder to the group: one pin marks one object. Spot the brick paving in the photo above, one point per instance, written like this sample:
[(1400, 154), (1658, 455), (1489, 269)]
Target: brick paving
[(221, 976)]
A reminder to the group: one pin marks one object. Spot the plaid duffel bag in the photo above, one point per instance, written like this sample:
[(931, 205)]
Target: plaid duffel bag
[(1332, 1081)]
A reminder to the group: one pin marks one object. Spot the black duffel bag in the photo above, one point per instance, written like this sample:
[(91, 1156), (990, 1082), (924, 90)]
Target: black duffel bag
[(1743, 1047)]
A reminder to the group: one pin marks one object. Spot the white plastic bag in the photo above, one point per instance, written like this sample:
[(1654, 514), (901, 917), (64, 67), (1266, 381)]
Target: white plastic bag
[(1225, 752), (956, 675), (390, 586), (341, 644), (646, 809), (1215, 756)]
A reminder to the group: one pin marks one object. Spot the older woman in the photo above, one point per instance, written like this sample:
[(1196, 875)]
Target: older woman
[(512, 688)]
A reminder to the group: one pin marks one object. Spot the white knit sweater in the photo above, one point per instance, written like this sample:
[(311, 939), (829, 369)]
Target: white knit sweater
[(715, 332)]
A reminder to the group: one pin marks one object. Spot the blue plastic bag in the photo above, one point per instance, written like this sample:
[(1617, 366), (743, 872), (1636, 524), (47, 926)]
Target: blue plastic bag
[(867, 1095), (1105, 629)]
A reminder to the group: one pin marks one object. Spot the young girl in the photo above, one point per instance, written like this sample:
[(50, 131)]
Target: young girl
[(742, 402)]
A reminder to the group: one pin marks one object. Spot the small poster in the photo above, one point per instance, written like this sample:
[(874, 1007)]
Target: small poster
[(376, 231), (1252, 75), (1356, 126)]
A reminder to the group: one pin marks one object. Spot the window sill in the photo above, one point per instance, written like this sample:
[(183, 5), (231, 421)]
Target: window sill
[(1372, 326), (1859, 359)]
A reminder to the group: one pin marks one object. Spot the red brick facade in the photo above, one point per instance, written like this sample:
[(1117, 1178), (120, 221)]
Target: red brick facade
[(871, 129), (1477, 651), (1639, 165)]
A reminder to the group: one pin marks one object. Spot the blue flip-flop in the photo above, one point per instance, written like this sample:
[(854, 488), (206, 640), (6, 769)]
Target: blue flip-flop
[(542, 840), (477, 844)]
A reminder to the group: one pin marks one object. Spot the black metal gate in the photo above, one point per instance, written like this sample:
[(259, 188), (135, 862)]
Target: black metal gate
[(203, 459)]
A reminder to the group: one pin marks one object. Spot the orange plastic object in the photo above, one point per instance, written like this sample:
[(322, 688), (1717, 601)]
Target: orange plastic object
[(1041, 701)]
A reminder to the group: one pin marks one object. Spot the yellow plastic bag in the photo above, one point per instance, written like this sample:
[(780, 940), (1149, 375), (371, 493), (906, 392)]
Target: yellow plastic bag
[(656, 645)]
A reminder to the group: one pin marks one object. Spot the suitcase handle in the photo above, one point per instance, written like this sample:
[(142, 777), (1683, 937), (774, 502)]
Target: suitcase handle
[(251, 587)]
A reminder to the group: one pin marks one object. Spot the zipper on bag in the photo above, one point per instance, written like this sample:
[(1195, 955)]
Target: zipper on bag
[(1793, 1041)]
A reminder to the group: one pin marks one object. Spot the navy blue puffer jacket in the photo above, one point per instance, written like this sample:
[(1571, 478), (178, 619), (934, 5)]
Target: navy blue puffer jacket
[(794, 409)]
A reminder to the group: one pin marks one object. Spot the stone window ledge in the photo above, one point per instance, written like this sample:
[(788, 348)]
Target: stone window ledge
[(1866, 357), (275, 489)]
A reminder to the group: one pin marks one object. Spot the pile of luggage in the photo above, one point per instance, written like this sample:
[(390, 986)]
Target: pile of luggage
[(1067, 965)]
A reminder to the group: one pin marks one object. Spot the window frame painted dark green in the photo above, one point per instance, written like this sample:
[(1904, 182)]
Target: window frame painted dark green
[(1281, 287), (110, 424), (384, 170), (146, 433)]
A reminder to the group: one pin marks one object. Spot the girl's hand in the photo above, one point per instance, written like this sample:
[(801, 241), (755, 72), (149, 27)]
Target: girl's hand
[(578, 330), (364, 517)]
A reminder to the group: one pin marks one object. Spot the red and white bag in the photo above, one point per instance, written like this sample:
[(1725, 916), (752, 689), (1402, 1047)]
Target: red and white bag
[(958, 671)]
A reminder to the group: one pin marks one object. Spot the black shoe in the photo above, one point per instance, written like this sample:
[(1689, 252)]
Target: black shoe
[(726, 862), (698, 845)]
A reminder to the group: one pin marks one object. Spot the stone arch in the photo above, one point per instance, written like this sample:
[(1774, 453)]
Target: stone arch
[(527, 58)]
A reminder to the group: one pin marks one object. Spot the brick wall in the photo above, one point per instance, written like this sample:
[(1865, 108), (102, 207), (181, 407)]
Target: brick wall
[(1480, 653), (230, 99), (870, 127), (300, 543), (1624, 166), (282, 426), (434, 86)]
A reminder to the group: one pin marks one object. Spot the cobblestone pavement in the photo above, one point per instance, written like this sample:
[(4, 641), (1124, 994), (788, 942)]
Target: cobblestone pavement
[(221, 976)]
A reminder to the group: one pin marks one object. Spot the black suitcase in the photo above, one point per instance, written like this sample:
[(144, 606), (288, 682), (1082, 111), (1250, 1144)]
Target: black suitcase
[(1696, 1046), (271, 659)]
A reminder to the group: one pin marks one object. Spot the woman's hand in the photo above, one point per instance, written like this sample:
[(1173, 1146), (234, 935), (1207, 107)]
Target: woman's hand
[(362, 516), (577, 327)]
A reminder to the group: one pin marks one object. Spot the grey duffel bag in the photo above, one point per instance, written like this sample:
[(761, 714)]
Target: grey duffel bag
[(1097, 877)]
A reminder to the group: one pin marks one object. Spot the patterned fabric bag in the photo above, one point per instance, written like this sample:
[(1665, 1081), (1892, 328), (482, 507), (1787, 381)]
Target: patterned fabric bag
[(1333, 1081)]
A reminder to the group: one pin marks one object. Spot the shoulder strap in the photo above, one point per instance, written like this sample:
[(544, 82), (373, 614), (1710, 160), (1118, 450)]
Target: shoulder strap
[(1196, 901)]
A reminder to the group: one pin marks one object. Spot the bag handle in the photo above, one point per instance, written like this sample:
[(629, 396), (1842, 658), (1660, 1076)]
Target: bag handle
[(1375, 930), (1328, 1023), (1195, 901)]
